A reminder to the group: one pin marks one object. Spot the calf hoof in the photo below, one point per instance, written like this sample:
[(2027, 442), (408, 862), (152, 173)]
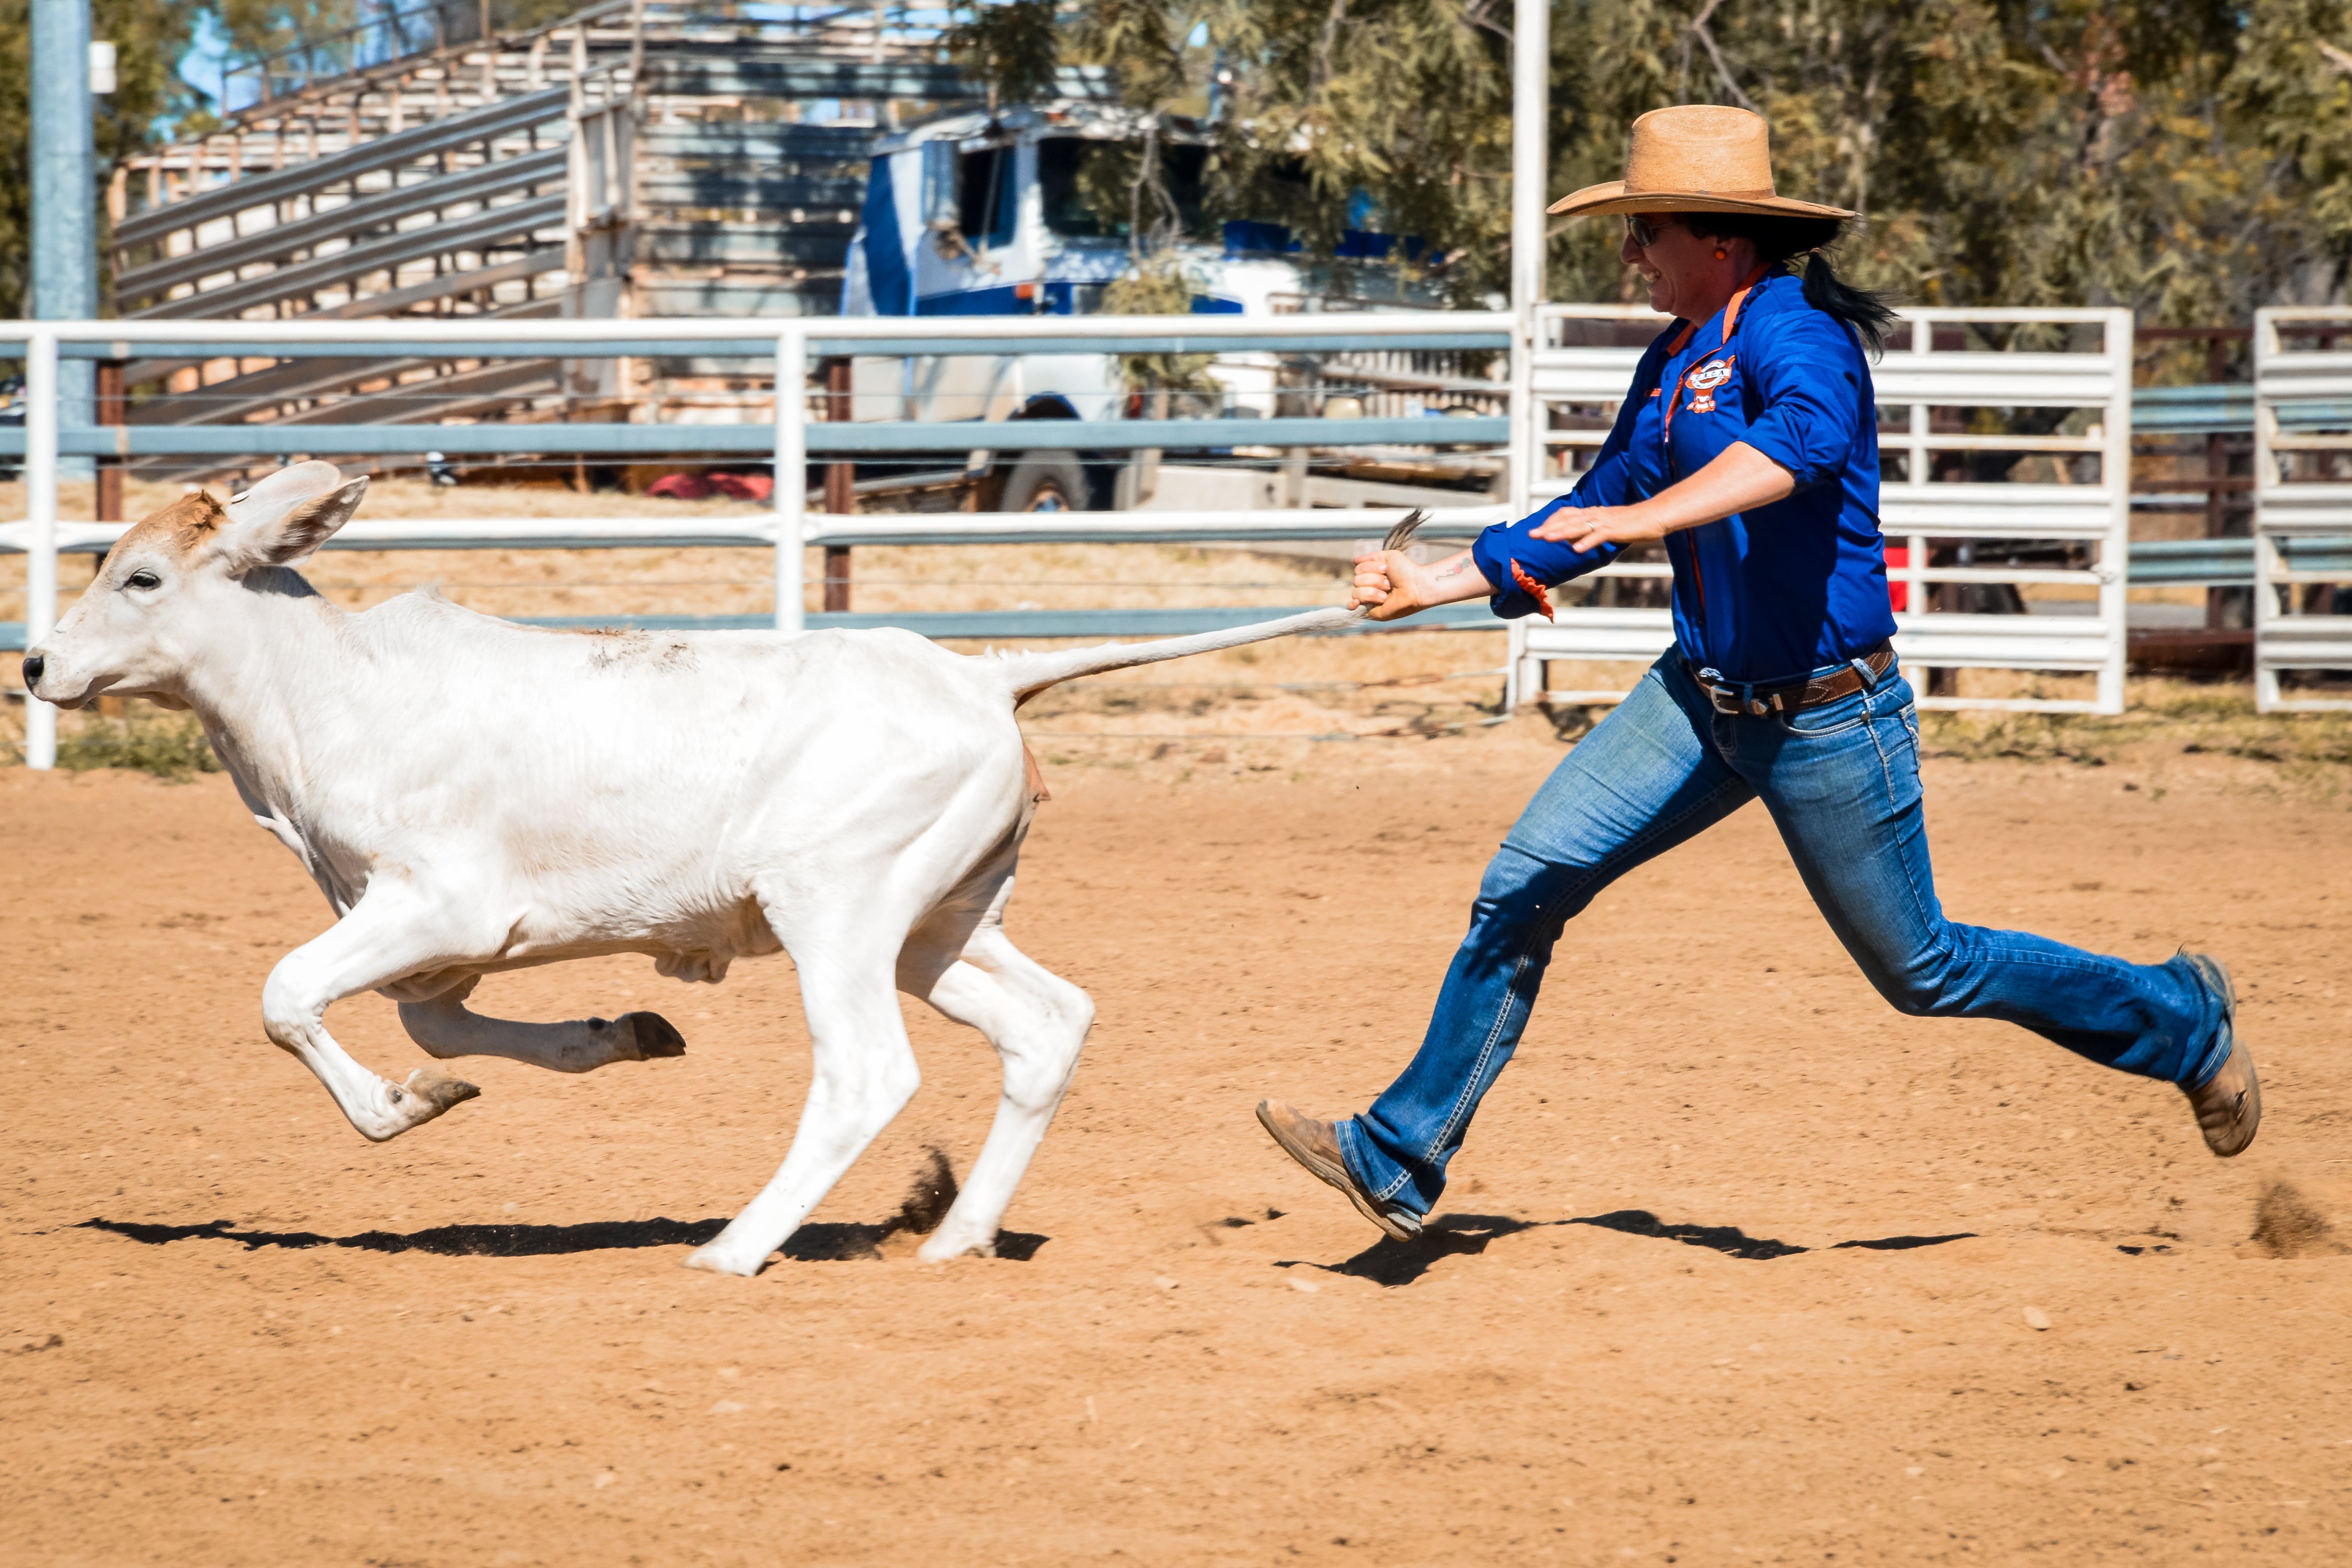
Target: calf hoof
[(425, 1095), (716, 1260), (654, 1035), (942, 1247), (437, 1090)]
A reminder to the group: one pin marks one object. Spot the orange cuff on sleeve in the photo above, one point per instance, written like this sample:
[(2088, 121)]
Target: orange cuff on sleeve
[(1534, 591)]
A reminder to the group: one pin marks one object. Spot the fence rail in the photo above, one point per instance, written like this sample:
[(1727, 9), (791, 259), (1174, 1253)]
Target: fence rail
[(603, 439), (2304, 403), (788, 442)]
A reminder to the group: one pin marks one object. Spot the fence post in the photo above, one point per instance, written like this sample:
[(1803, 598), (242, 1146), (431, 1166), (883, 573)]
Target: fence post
[(112, 407), (41, 514), (63, 252), (1530, 187), (2115, 553), (840, 485), (792, 473)]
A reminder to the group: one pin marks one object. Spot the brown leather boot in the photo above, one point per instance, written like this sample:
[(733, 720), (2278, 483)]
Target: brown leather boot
[(1316, 1146), (2229, 1105)]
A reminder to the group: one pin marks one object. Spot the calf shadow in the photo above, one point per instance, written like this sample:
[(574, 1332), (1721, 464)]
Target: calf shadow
[(442, 1240), (820, 1243), (860, 1243), (931, 1194), (1394, 1263)]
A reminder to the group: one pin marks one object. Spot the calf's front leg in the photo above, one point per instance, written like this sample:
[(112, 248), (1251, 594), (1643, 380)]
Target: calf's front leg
[(446, 1026), (386, 935)]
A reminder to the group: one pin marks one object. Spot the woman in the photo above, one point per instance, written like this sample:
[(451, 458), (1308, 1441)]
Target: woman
[(1747, 444)]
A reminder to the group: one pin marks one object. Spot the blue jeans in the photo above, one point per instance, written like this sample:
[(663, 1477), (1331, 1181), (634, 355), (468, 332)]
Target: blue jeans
[(1841, 782)]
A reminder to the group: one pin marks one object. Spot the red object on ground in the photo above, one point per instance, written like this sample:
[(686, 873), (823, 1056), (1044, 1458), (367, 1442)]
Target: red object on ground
[(1898, 594), (680, 486), (744, 487)]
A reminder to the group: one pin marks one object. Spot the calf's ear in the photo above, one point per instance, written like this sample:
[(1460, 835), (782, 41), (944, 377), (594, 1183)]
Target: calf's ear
[(288, 515)]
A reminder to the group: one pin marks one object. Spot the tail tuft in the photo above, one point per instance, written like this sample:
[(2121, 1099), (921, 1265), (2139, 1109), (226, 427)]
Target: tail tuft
[(1407, 525)]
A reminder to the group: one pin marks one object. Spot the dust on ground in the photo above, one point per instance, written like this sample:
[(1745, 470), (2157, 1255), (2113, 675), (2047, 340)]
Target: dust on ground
[(1735, 1267)]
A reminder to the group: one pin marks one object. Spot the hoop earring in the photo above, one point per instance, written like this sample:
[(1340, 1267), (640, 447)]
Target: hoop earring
[(1721, 254)]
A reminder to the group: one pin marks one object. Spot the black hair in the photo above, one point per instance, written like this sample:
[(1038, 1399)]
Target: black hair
[(1778, 241)]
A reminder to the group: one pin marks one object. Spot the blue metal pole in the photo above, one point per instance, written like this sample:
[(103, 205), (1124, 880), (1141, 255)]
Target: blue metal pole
[(64, 197)]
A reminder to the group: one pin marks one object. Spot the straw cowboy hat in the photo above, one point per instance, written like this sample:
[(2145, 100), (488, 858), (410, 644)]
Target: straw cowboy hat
[(1697, 158)]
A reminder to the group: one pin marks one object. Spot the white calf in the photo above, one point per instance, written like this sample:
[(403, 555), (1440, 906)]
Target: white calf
[(474, 796)]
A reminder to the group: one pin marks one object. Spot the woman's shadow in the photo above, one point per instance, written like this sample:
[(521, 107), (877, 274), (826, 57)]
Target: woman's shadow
[(1393, 1263)]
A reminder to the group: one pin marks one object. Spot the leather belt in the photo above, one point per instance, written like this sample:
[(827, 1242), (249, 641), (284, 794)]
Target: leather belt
[(1739, 697)]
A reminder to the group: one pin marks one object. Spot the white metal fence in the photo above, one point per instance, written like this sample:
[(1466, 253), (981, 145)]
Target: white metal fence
[(789, 442), (1934, 391), (1942, 383), (2303, 502)]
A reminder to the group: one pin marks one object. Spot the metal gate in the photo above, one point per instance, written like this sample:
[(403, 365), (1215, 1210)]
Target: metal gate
[(2303, 503), (2006, 442)]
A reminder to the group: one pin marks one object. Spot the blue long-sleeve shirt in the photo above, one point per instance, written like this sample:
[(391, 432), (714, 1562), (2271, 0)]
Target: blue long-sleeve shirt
[(1761, 596)]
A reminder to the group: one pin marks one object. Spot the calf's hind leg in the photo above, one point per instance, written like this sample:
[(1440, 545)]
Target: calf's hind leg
[(446, 1026), (1038, 1022)]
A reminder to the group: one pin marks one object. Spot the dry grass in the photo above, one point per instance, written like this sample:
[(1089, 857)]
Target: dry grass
[(2163, 714), (142, 739)]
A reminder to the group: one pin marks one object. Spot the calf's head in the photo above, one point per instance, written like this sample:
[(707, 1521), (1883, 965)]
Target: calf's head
[(184, 581)]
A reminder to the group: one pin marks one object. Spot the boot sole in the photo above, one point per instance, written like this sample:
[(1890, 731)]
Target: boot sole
[(2247, 1116), (1336, 1175)]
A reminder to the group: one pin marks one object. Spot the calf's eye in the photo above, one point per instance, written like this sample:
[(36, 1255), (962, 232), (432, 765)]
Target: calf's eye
[(142, 580)]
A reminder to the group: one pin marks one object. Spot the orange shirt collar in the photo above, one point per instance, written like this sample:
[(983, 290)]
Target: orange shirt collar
[(1731, 313)]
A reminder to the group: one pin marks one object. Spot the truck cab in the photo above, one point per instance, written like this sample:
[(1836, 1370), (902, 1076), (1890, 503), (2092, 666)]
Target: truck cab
[(1025, 211)]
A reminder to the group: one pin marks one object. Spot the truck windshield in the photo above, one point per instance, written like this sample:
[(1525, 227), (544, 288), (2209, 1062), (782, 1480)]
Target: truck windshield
[(1085, 186)]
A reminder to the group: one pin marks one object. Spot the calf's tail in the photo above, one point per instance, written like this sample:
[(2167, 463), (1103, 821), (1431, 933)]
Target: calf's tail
[(1031, 673)]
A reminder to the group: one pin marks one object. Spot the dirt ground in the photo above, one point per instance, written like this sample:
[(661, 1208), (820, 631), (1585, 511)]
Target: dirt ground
[(1737, 1268)]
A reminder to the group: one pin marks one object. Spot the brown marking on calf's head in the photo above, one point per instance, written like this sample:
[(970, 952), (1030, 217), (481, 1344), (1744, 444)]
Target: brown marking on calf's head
[(181, 527), (280, 520)]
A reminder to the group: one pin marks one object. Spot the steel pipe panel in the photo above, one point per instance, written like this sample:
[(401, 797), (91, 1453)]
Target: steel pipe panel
[(475, 232), (335, 223), (259, 190)]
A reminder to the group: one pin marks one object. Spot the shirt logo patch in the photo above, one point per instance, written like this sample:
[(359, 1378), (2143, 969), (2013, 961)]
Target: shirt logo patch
[(1702, 382)]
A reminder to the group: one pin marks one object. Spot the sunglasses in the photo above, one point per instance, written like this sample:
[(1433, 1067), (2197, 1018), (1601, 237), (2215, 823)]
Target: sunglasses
[(1642, 229)]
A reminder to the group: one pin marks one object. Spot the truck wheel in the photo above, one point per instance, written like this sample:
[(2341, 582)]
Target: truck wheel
[(1045, 482)]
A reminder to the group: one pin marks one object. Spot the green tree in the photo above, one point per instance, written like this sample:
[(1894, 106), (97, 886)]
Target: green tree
[(149, 36), (1014, 48), (256, 29), (2190, 159), (2291, 85), (1407, 101)]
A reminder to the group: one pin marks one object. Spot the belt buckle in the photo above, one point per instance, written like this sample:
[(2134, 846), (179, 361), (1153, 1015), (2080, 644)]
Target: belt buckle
[(1725, 699)]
